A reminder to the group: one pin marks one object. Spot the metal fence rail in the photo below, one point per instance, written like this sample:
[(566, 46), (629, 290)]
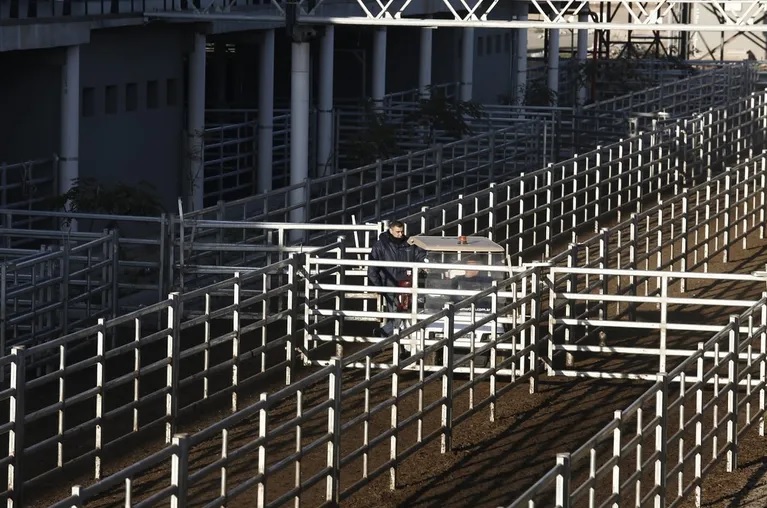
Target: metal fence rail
[(230, 154), (27, 185), (127, 378), (144, 246), (58, 290), (667, 421)]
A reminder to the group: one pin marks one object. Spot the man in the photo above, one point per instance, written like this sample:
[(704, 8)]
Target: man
[(392, 246)]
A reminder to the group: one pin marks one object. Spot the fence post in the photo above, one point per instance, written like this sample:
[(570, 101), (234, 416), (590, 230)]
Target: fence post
[(563, 481), (733, 373), (439, 168), (332, 494), (683, 249), (727, 201), (447, 380), (180, 471), (604, 256), (492, 200), (115, 272), (661, 446), (762, 365), (291, 347), (235, 340), (101, 340), (378, 188), (536, 305), (263, 420), (16, 436), (491, 156), (172, 370), (64, 288)]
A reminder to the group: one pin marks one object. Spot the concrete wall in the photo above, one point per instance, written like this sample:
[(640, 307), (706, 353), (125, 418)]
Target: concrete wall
[(30, 101), (132, 121)]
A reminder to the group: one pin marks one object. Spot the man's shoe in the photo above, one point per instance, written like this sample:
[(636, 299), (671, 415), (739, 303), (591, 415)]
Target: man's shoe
[(404, 355), (380, 332)]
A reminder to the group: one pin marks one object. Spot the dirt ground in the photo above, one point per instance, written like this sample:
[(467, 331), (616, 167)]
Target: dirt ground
[(491, 463)]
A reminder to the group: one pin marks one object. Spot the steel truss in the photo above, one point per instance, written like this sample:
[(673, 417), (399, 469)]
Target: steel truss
[(649, 16)]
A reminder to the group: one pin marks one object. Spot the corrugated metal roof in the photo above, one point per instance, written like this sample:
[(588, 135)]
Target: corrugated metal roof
[(451, 244)]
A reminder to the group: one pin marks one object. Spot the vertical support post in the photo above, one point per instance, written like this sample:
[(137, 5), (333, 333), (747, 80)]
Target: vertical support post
[(172, 370), (582, 57), (521, 55), (333, 484), (379, 66), (196, 126), (447, 379), (266, 111), (236, 340), (325, 131), (553, 65), (424, 67), (16, 420), (263, 421), (467, 64), (299, 129), (733, 373), (661, 429), (69, 164), (180, 471), (563, 481)]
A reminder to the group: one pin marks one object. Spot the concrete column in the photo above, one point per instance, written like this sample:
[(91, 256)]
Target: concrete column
[(69, 151), (467, 64), (299, 128), (582, 55), (379, 65), (520, 84), (424, 67), (266, 111), (196, 124), (325, 104), (553, 64)]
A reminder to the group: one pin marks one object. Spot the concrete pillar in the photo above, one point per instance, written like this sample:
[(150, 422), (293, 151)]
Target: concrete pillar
[(467, 64), (424, 67), (325, 104), (299, 128), (266, 111), (520, 84), (379, 65), (553, 64), (582, 55), (196, 124), (69, 151)]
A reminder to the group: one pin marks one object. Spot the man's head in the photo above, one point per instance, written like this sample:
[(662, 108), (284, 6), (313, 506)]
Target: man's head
[(397, 229), (472, 260)]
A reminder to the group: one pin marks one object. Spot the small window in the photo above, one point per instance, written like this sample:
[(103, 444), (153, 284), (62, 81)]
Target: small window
[(131, 97), (88, 102), (507, 42), (171, 92), (110, 100), (480, 49), (152, 95), (498, 43)]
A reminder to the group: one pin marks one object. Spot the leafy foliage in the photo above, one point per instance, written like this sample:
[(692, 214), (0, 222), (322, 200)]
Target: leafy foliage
[(90, 196), (436, 116)]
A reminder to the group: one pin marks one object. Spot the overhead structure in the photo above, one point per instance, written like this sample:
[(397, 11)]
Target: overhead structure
[(746, 16)]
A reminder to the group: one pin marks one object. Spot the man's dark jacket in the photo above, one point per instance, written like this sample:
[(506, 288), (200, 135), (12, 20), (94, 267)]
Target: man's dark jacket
[(388, 248)]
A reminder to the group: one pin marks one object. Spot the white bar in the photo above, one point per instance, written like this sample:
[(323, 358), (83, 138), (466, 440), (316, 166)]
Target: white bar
[(299, 128), (196, 124)]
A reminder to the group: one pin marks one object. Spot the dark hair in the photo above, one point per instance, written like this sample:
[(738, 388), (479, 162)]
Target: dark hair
[(396, 224)]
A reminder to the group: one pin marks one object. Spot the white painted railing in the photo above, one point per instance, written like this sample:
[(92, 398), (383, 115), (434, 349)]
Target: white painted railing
[(667, 420)]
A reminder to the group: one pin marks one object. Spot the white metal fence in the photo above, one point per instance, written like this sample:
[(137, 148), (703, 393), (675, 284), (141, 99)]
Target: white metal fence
[(657, 450)]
